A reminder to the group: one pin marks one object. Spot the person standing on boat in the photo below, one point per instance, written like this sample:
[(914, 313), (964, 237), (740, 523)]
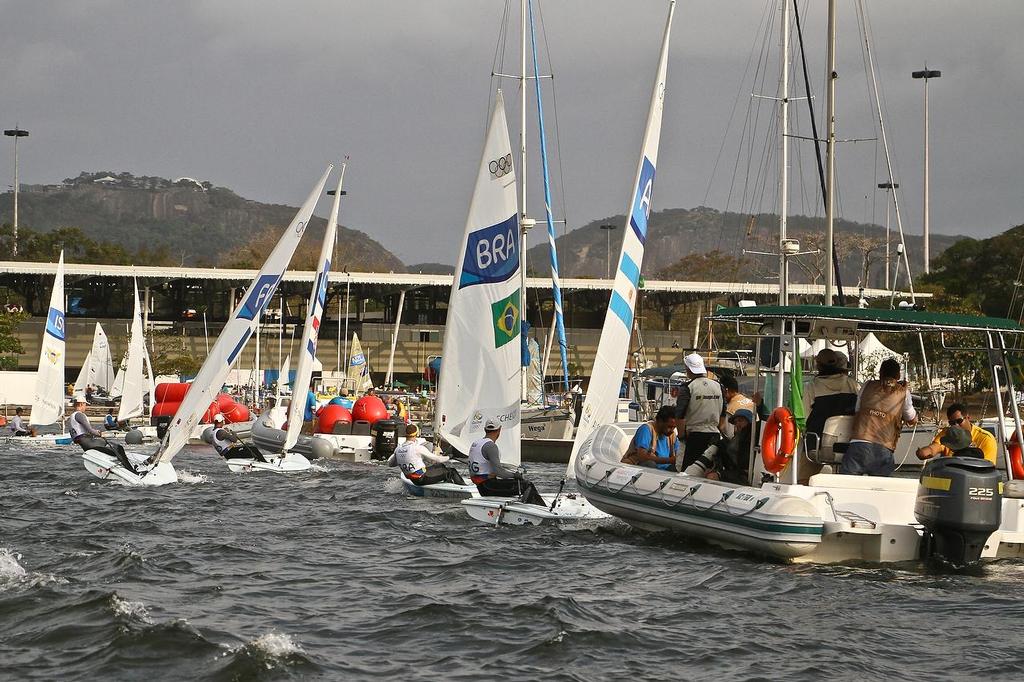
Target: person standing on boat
[(960, 418), (883, 406), (309, 414), (419, 464), (645, 452), (18, 425), (699, 409), (494, 479)]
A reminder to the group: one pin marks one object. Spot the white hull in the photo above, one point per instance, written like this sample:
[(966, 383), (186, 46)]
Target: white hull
[(343, 447), (497, 511), (288, 464), (101, 465), (44, 440), (834, 519), (440, 490), (546, 422)]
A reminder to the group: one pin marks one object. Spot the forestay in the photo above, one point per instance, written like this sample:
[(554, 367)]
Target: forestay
[(481, 377), (48, 400), (133, 386), (610, 362), (311, 330), (237, 331)]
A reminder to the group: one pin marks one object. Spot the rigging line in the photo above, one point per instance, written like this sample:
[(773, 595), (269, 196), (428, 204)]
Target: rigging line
[(817, 149), (554, 107), (753, 106)]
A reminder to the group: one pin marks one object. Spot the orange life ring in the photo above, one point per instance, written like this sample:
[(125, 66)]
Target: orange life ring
[(1013, 449), (780, 426)]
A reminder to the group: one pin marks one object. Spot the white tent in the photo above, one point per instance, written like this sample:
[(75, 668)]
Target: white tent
[(871, 354)]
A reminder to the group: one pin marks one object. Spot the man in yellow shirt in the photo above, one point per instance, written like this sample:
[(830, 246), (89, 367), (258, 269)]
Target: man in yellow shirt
[(959, 418)]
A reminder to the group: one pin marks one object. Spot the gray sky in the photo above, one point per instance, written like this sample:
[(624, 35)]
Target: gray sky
[(258, 96)]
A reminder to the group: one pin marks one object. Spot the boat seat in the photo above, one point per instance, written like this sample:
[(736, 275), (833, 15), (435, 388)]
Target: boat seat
[(900, 485), (342, 428), (1014, 490), (835, 438), (360, 428)]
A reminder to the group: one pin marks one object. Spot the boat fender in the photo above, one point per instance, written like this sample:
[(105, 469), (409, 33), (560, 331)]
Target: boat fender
[(320, 448), (1013, 449), (133, 437), (779, 441)]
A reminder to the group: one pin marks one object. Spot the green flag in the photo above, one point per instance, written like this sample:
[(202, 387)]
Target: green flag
[(506, 319), (796, 391)]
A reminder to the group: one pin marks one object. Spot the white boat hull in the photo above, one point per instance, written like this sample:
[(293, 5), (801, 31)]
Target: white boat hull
[(497, 511), (440, 490), (546, 422), (104, 466), (43, 440), (290, 463)]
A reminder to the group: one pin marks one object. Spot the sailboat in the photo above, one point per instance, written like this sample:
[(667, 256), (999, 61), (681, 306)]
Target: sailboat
[(48, 398), (97, 369), (610, 362), (358, 375), (286, 457), (156, 469)]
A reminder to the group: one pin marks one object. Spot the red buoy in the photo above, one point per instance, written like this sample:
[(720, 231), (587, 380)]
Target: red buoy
[(330, 415), (171, 393), (369, 408)]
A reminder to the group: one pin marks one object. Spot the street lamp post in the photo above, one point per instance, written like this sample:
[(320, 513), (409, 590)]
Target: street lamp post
[(608, 250), (926, 75), (888, 187), (15, 132)]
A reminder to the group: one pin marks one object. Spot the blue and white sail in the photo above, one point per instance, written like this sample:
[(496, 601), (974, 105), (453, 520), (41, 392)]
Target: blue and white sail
[(556, 284), (311, 330), (482, 372), (610, 362), (48, 399), (237, 331), (134, 382)]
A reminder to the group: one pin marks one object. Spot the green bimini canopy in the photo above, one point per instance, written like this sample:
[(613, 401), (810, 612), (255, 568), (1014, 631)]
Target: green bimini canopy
[(870, 319)]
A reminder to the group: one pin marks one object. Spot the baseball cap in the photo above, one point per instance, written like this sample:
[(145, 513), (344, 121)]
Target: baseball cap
[(492, 424), (218, 418), (695, 363)]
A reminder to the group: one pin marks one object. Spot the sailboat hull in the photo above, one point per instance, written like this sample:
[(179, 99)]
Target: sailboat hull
[(291, 463), (44, 440), (498, 511), (440, 490), (106, 467)]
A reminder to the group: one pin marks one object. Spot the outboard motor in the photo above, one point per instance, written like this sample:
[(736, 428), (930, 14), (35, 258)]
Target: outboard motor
[(384, 438), (960, 506), (162, 424)]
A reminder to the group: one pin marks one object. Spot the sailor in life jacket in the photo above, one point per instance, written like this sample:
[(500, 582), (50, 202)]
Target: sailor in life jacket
[(85, 436), (419, 464), (229, 446), (494, 479), (655, 444), (883, 406)]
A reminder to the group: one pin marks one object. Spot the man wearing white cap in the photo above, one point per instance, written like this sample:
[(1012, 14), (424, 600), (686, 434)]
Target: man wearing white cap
[(228, 445), (699, 409), (494, 479)]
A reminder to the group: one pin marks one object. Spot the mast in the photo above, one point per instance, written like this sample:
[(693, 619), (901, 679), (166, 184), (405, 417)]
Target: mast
[(830, 153), (524, 223), (784, 155)]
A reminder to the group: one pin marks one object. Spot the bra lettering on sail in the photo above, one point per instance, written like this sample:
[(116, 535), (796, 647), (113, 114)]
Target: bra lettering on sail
[(642, 206), (492, 254)]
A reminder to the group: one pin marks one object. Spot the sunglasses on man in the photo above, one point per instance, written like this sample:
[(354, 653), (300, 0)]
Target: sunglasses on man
[(956, 422)]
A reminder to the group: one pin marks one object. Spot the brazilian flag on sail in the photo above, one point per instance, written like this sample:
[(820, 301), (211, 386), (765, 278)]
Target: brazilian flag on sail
[(505, 314)]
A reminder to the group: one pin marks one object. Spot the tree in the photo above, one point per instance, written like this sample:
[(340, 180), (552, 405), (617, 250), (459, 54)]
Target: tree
[(10, 347), (170, 355)]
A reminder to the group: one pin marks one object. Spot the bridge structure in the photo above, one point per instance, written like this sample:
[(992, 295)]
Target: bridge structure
[(192, 303)]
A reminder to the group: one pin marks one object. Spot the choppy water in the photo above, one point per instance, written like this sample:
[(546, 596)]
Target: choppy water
[(337, 575)]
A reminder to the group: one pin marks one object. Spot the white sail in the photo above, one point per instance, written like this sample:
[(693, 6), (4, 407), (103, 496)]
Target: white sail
[(102, 368), (358, 368), (134, 382), (118, 386), (311, 330), (480, 378), (237, 331), (149, 373), (535, 379), (48, 400), (610, 362), (82, 382), (282, 377)]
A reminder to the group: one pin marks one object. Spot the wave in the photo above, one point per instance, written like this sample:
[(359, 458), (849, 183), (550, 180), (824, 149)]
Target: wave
[(273, 651), (130, 610), (13, 574), (191, 477)]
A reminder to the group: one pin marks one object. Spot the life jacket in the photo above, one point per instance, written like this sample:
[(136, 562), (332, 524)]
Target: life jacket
[(632, 457), (409, 459), (480, 467), (880, 415), (220, 443), (75, 428)]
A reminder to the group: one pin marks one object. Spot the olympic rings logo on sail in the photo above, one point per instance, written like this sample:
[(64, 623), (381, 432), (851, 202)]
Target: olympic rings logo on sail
[(501, 166)]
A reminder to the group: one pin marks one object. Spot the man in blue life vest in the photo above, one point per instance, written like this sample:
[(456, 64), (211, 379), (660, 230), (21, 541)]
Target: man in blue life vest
[(655, 444)]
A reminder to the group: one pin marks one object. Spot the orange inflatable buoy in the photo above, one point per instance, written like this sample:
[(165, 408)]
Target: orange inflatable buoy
[(779, 440), (1013, 449)]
